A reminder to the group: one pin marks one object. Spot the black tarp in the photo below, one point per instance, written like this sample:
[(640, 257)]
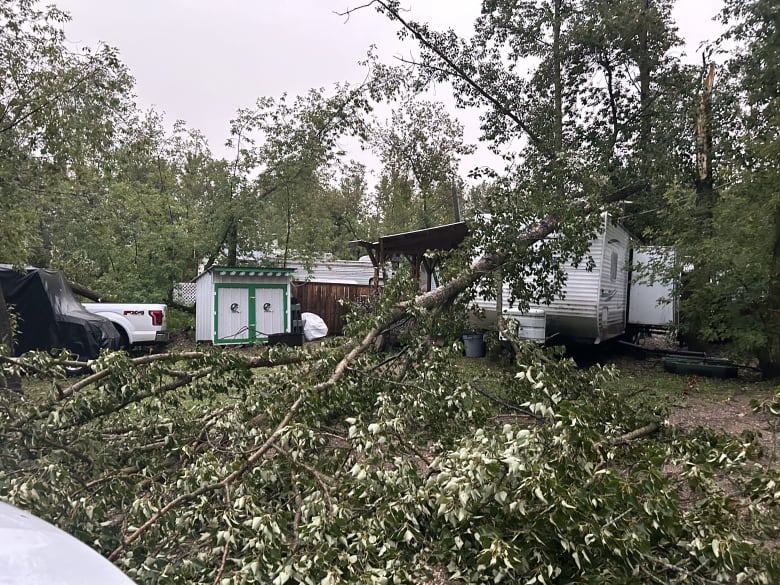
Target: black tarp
[(50, 317)]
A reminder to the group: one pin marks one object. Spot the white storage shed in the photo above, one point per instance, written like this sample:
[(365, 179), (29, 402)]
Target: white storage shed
[(653, 301), (242, 304)]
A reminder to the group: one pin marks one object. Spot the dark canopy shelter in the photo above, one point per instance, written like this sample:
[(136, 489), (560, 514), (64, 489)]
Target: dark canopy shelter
[(416, 246), (48, 316)]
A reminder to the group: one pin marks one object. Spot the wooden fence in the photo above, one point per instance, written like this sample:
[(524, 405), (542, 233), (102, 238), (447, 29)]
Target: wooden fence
[(322, 298)]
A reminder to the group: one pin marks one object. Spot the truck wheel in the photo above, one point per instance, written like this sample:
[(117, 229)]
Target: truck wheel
[(125, 340)]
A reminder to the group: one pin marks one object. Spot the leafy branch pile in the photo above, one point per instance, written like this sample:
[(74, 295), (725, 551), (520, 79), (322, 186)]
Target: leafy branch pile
[(218, 467)]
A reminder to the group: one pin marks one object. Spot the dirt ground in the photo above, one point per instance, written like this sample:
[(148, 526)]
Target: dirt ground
[(733, 415), (720, 405)]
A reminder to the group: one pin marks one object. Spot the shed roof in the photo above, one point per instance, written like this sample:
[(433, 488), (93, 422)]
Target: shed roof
[(442, 237), (248, 271), (415, 245)]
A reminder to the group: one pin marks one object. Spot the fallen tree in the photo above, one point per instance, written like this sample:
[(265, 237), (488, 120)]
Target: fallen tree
[(340, 463)]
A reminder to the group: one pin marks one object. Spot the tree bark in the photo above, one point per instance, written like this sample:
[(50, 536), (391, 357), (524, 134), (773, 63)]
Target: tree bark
[(92, 295), (9, 381), (645, 118), (769, 358), (558, 142), (232, 242), (557, 79), (705, 184)]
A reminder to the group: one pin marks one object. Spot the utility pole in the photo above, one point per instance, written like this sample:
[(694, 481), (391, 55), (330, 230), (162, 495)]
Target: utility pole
[(455, 202)]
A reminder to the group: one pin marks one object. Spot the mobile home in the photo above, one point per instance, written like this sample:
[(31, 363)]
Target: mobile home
[(594, 305)]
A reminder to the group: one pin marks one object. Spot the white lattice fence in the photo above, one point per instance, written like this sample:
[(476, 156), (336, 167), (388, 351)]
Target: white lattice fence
[(184, 293)]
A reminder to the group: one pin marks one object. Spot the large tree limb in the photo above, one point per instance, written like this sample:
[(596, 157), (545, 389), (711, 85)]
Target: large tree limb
[(178, 381), (639, 433), (454, 69), (92, 295), (429, 301)]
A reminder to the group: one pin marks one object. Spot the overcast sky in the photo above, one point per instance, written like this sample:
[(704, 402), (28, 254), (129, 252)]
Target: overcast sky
[(201, 60)]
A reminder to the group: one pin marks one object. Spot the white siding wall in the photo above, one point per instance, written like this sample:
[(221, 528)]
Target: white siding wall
[(593, 306), (653, 303), (581, 292), (613, 292), (204, 307), (339, 271)]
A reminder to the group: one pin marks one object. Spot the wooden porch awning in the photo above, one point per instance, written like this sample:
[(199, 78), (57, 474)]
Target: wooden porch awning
[(414, 246)]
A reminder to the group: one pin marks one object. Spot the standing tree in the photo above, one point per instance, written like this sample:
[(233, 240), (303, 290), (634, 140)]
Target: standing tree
[(732, 296), (419, 148), (58, 112), (756, 28), (740, 276), (281, 151), (128, 227)]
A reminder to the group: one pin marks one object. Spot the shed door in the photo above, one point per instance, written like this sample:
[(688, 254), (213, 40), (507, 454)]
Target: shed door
[(270, 311), (232, 315)]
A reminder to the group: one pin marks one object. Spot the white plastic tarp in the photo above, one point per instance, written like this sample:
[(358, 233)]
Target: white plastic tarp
[(313, 326)]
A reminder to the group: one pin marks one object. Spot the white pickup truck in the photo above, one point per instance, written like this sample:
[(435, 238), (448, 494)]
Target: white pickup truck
[(137, 324)]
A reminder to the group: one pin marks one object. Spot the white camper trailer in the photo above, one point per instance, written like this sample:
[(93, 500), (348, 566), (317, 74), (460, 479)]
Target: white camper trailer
[(652, 301), (594, 305)]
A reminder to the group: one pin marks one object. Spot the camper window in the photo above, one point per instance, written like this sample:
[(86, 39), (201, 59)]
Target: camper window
[(613, 267)]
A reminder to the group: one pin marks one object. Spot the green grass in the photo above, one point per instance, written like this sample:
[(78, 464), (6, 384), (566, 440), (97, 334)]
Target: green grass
[(642, 384), (648, 375)]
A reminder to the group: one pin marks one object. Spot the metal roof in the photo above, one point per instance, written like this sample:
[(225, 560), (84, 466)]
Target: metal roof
[(251, 271), (417, 242)]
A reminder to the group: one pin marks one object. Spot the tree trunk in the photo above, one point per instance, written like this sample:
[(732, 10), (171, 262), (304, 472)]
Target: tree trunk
[(231, 241), (557, 79), (705, 184), (769, 358), (557, 73), (88, 293), (10, 382), (645, 117)]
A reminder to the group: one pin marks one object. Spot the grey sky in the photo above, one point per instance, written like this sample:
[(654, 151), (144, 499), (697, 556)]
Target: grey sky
[(201, 60)]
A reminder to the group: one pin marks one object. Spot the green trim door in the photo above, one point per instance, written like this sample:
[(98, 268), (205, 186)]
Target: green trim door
[(233, 311), (244, 313), (270, 311)]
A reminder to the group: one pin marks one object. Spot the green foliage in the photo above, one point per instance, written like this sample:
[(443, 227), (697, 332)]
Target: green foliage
[(419, 148), (584, 96), (60, 111), (340, 462), (730, 240), (286, 152), (411, 463), (730, 275)]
